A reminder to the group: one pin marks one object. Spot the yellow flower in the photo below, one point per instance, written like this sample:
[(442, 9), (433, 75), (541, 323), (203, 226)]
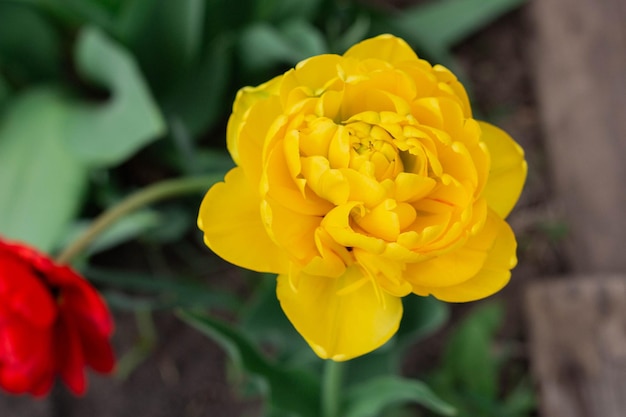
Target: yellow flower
[(360, 179)]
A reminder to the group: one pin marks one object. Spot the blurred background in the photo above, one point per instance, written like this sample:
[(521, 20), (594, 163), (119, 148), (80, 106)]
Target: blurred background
[(99, 98)]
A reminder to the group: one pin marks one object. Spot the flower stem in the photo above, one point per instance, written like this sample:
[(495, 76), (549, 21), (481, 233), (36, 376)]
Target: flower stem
[(144, 197), (331, 388)]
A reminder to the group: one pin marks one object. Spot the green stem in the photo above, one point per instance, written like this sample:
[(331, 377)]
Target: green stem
[(144, 197), (331, 388)]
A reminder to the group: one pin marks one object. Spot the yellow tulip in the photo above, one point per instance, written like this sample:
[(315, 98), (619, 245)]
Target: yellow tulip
[(361, 179)]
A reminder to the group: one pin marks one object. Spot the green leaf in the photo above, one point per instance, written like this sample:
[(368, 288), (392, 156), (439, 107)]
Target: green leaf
[(448, 22), (198, 100), (468, 357), (36, 60), (168, 39), (47, 143), (286, 10), (5, 93), (109, 133), (183, 28), (370, 398), (168, 34), (434, 28), (263, 46), (133, 20), (519, 402), (355, 33), (73, 13), (304, 37), (159, 291), (422, 316), (223, 17), (265, 323), (42, 183), (290, 390)]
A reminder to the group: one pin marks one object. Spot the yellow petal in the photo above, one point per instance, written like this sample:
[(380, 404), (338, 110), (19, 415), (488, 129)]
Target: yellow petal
[(478, 151), (278, 183), (332, 259), (493, 276), (337, 223), (485, 283), (508, 170), (317, 73), (230, 218), (449, 82), (327, 183), (387, 219), (246, 98), (389, 273), (341, 318), (290, 230), (364, 188), (258, 125), (461, 264), (412, 187), (384, 47)]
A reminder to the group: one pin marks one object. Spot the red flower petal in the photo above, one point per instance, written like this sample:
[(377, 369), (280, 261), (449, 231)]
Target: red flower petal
[(69, 355), (52, 321)]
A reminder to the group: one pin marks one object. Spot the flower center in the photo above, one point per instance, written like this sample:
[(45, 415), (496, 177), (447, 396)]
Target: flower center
[(373, 151)]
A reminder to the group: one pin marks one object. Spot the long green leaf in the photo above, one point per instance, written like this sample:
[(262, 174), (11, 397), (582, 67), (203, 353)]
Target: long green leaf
[(162, 291), (198, 99), (434, 28), (185, 25), (166, 37), (370, 398), (265, 323), (39, 59), (422, 316), (41, 183), (109, 133), (5, 93), (290, 390), (286, 10), (447, 22), (263, 46), (468, 356)]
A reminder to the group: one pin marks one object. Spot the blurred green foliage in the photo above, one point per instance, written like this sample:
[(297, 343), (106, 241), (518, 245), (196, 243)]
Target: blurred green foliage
[(472, 372), (101, 97), (86, 84)]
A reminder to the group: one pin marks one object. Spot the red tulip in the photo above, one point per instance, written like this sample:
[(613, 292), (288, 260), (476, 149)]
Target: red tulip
[(52, 322)]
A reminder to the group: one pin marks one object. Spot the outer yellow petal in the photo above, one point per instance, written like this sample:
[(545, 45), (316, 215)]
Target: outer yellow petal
[(494, 275), (230, 218), (384, 47), (246, 98), (508, 170), (341, 318), (260, 122), (461, 264)]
